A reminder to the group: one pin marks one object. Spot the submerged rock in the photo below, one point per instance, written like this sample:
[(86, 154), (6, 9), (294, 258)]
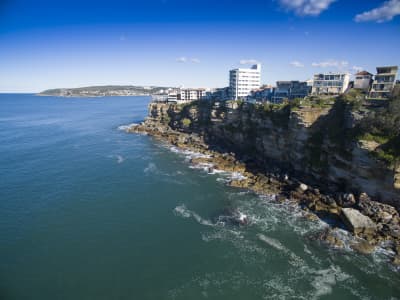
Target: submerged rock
[(331, 238), (357, 222), (363, 247), (396, 260)]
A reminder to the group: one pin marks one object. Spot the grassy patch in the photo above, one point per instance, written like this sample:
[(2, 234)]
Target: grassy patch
[(374, 138), (186, 122)]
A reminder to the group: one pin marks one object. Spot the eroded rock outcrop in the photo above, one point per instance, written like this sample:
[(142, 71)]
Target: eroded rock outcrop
[(357, 222)]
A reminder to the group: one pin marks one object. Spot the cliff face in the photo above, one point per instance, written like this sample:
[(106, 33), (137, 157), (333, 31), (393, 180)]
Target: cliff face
[(315, 144)]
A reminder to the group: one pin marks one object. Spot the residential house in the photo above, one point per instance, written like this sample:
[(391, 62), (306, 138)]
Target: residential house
[(330, 83), (363, 80), (384, 82), (290, 90)]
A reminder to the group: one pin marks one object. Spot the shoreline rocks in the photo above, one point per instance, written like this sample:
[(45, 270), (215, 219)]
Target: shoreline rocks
[(369, 220), (357, 222)]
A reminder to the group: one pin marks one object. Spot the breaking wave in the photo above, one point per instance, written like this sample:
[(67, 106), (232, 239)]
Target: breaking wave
[(151, 169), (126, 127), (182, 211)]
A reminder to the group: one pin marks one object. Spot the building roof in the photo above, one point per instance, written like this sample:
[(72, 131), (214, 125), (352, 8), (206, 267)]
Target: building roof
[(364, 73), (388, 67)]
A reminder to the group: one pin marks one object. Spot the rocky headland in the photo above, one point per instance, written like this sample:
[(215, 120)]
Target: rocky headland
[(105, 90), (311, 153)]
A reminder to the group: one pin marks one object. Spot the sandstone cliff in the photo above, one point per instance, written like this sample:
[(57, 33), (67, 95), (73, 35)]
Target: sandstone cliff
[(313, 143)]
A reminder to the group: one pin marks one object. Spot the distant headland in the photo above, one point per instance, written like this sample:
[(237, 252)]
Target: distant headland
[(106, 90)]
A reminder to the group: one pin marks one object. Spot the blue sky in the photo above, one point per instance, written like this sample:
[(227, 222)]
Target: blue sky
[(49, 44)]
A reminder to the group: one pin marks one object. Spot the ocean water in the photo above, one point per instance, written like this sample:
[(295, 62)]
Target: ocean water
[(88, 211)]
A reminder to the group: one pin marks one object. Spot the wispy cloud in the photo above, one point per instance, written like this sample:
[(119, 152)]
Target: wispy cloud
[(331, 63), (306, 7), (386, 12), (297, 64), (357, 68), (248, 62), (184, 59)]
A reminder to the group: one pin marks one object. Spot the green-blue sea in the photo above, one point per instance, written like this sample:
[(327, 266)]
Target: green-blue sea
[(88, 211)]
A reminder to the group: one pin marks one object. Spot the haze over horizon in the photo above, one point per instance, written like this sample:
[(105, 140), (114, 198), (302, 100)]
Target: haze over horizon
[(174, 42)]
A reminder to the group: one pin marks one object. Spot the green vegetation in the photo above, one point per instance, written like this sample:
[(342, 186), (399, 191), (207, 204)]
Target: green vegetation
[(295, 104), (373, 138), (166, 119), (186, 122), (383, 126), (317, 102), (354, 98), (279, 114)]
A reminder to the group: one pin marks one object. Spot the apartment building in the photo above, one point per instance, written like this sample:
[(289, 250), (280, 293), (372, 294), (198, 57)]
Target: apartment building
[(188, 95), (330, 83), (384, 82), (185, 95), (243, 81)]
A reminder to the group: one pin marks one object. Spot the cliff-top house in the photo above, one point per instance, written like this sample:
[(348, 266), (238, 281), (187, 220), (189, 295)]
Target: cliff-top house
[(363, 80), (330, 83), (384, 82), (290, 90), (186, 95)]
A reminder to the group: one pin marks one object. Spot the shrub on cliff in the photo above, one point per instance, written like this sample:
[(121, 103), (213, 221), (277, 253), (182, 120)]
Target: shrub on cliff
[(383, 127), (279, 114), (354, 98), (186, 122)]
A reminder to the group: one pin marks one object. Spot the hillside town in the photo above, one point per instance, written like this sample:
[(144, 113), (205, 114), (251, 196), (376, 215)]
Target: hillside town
[(245, 84)]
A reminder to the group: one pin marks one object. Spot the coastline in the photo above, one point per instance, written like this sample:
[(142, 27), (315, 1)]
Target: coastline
[(372, 225), (89, 96)]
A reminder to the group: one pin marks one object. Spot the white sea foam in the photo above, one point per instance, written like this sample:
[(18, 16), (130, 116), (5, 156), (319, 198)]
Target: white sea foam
[(182, 211), (151, 169), (216, 171), (127, 127), (203, 166), (237, 176), (272, 242), (120, 159), (188, 153), (270, 216), (324, 280)]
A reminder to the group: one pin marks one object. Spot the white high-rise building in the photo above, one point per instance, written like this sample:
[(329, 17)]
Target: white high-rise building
[(243, 81)]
